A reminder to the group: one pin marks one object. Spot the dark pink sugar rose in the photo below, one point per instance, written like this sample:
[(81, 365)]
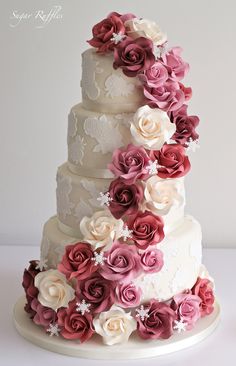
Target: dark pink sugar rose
[(103, 33), (134, 56), (173, 161), (28, 279), (31, 291), (168, 97), (77, 261), (203, 289), (123, 17), (187, 308), (155, 76), (73, 324), (128, 295), (185, 126), (152, 260), (147, 229), (97, 291), (125, 198), (176, 66), (122, 263), (159, 323), (130, 163), (43, 315)]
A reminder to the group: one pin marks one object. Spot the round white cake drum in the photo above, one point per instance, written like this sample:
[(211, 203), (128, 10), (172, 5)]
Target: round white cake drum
[(94, 348)]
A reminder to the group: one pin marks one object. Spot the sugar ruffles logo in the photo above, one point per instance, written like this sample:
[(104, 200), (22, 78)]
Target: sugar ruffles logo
[(40, 17)]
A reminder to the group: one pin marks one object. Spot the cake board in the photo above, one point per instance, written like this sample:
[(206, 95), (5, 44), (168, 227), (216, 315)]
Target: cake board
[(135, 348)]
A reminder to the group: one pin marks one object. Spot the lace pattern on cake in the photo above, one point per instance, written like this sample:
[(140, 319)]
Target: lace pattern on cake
[(125, 119), (44, 248), (76, 150), (82, 209), (90, 67), (179, 279), (101, 129), (196, 253), (94, 193), (117, 86), (72, 124), (64, 187)]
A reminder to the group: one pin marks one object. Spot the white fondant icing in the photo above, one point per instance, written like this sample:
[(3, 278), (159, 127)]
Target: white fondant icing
[(88, 82)]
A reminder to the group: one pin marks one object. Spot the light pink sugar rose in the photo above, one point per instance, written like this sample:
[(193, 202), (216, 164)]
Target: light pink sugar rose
[(204, 289), (155, 76), (122, 263), (159, 322), (134, 56), (128, 295), (167, 97), (176, 66), (187, 307), (130, 163), (152, 260), (147, 229), (44, 315)]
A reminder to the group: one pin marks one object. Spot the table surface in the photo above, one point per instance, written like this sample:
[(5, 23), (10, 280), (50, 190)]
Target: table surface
[(218, 349)]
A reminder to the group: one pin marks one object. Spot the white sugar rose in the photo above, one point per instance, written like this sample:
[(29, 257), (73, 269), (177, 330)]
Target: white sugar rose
[(115, 325), (54, 291), (151, 128), (145, 28), (163, 194), (101, 229)]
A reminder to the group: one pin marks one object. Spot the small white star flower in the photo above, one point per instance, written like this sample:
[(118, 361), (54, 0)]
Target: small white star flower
[(153, 167), (53, 330), (104, 198), (117, 37), (142, 313), (157, 52), (83, 307), (98, 258), (125, 233), (193, 145), (41, 265), (180, 326)]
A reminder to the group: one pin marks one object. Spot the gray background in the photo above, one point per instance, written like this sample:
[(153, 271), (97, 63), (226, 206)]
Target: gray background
[(39, 82)]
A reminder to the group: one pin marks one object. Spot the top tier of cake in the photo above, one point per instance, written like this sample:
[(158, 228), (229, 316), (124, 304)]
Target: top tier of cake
[(105, 89)]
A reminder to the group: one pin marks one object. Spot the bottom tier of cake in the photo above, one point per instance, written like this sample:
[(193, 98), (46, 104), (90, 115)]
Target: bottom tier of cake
[(135, 348), (182, 252)]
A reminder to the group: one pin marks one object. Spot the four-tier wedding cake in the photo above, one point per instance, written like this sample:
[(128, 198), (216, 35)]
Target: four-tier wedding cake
[(121, 259)]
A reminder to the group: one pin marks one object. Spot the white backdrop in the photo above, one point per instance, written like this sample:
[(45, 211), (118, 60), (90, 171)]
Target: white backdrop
[(39, 82)]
